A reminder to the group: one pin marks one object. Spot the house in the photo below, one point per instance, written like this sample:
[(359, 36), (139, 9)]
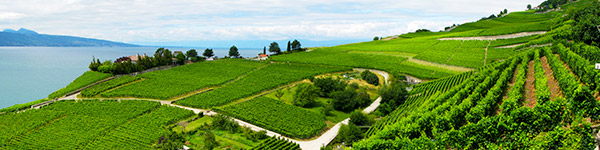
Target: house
[(262, 57), (210, 59), (135, 58)]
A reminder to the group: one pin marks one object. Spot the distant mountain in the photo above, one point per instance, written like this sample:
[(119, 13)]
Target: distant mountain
[(24, 37)]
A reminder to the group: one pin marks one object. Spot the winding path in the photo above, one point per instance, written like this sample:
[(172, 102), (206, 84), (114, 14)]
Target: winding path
[(313, 144)]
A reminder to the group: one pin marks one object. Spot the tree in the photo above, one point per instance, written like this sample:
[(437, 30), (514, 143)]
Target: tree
[(505, 11), (94, 64), (528, 6), (586, 28), (392, 96), (274, 48), (349, 133), (192, 54), (180, 59), (233, 52), (226, 123), (359, 118), (209, 140), (370, 77), (289, 47), (279, 94), (208, 53), (375, 38), (305, 95), (296, 46), (344, 100), (329, 85), (265, 50), (171, 141)]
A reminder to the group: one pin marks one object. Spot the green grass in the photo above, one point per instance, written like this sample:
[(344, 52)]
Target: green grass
[(85, 79), (194, 124), (166, 84), (272, 76), (278, 117), (225, 139)]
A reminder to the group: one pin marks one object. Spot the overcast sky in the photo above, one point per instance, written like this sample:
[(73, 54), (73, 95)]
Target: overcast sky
[(196, 20)]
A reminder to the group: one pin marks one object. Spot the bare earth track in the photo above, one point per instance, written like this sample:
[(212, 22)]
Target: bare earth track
[(553, 86), (495, 37), (530, 99)]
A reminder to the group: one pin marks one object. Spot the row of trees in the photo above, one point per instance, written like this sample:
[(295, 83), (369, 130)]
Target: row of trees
[(161, 57), (294, 46)]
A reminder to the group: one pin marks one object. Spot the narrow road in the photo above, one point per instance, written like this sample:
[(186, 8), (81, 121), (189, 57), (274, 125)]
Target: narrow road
[(313, 144)]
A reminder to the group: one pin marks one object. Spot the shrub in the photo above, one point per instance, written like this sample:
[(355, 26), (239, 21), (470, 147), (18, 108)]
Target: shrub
[(370, 77), (349, 99), (359, 118), (329, 85), (305, 95)]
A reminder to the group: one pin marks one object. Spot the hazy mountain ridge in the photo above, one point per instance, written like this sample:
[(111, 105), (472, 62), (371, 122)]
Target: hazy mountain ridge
[(24, 37)]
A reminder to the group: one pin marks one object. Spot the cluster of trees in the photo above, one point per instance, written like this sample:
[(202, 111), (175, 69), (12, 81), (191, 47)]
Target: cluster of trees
[(551, 4), (493, 16), (370, 77), (294, 46), (392, 96), (586, 27), (352, 132), (162, 57)]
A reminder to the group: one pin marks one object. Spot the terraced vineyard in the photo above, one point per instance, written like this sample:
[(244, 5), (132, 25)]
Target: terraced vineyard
[(278, 117), (85, 79), (462, 116), (276, 144), (270, 77), (166, 84), (101, 87), (88, 125)]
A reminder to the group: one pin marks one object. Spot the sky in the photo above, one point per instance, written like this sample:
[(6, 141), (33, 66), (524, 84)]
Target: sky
[(185, 22)]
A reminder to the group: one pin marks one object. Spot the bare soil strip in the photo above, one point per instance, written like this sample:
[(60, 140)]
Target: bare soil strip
[(496, 37), (511, 46), (553, 85), (530, 99), (438, 65)]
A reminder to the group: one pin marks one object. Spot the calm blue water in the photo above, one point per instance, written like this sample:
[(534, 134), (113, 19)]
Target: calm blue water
[(31, 73)]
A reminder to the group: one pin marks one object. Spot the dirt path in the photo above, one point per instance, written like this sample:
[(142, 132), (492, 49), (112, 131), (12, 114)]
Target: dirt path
[(530, 99), (496, 37), (553, 85), (486, 50)]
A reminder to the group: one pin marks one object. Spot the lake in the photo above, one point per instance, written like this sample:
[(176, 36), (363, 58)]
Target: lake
[(31, 73)]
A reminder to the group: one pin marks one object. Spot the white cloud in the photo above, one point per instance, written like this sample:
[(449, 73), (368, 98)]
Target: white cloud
[(184, 20)]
